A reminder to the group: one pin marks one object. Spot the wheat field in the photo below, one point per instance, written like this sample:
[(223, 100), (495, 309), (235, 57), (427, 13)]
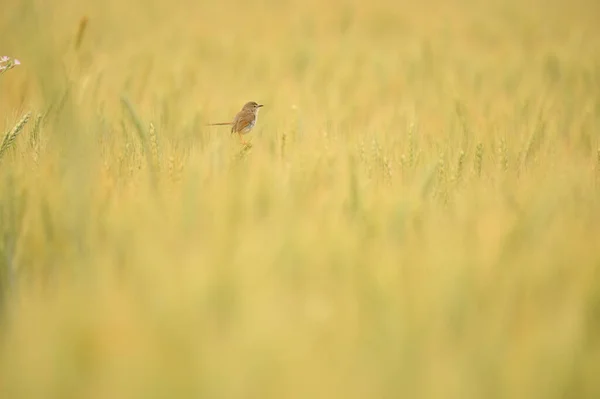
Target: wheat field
[(418, 215)]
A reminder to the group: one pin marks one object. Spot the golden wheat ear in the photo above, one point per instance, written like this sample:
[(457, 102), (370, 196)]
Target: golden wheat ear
[(12, 134)]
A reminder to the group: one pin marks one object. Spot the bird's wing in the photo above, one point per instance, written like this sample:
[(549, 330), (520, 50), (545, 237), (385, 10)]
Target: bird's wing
[(242, 121)]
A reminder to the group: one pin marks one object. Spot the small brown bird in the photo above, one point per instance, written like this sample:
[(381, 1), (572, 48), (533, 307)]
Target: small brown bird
[(244, 121)]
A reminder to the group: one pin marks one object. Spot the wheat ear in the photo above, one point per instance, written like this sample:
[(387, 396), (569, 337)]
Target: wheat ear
[(12, 134)]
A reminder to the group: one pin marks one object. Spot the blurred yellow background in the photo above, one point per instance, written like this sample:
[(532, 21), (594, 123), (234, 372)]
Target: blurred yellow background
[(417, 216)]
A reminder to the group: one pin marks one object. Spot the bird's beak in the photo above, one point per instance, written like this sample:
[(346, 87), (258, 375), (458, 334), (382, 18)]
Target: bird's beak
[(260, 105)]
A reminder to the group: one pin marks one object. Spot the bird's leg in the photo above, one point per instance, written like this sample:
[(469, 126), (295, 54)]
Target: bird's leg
[(242, 139)]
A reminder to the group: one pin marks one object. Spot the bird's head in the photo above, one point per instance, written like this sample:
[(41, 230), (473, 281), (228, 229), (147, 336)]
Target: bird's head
[(252, 106)]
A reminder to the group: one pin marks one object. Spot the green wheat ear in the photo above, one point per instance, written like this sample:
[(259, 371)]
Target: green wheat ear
[(11, 135)]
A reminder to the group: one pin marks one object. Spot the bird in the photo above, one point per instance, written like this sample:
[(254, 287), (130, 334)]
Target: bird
[(244, 121)]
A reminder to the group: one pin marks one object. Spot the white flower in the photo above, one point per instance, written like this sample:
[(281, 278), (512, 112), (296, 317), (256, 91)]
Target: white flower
[(7, 63)]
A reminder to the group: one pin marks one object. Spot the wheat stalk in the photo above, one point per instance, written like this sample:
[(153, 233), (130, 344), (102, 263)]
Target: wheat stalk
[(244, 151), (460, 166), (153, 143), (11, 135), (503, 154), (142, 135), (478, 159)]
